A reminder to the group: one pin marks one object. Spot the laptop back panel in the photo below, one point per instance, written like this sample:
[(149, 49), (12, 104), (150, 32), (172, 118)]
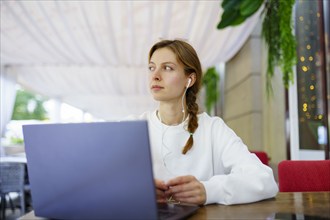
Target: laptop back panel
[(91, 170)]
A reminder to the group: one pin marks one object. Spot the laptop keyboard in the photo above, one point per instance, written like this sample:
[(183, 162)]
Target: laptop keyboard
[(175, 211), (165, 214), (168, 211)]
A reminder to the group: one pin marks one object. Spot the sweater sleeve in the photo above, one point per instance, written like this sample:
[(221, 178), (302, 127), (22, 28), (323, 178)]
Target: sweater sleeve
[(239, 176)]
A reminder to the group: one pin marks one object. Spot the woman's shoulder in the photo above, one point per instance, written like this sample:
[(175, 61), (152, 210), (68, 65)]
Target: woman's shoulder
[(215, 124), (203, 117), (212, 123)]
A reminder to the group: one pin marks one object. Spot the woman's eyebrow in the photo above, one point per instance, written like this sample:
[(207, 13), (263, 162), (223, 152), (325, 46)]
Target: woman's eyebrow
[(168, 62), (164, 63)]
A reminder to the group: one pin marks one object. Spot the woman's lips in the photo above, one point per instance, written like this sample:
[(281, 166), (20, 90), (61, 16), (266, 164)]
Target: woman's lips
[(156, 88)]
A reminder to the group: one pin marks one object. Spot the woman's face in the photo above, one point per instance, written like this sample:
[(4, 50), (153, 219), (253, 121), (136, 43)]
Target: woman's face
[(167, 79)]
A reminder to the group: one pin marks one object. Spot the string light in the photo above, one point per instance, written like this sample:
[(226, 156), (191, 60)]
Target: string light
[(305, 107), (309, 69), (304, 68)]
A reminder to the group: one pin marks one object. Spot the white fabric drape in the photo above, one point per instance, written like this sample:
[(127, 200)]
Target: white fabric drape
[(93, 54), (7, 97)]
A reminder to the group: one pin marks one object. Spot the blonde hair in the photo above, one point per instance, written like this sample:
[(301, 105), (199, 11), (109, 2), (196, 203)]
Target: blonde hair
[(187, 55)]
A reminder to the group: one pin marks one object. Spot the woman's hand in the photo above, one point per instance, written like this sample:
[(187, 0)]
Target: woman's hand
[(160, 190), (186, 189)]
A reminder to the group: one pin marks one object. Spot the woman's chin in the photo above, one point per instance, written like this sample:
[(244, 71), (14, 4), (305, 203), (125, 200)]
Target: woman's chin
[(157, 97)]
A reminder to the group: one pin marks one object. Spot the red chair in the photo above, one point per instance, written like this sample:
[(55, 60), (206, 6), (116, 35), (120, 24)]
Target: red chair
[(304, 175), (263, 157)]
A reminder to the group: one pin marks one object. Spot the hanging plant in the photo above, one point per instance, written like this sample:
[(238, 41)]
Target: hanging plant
[(210, 81), (236, 12), (276, 30)]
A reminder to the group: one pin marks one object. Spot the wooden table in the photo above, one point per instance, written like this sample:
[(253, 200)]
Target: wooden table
[(284, 206), (281, 207)]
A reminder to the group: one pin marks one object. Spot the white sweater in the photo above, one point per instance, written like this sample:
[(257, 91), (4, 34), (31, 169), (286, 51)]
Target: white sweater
[(218, 158)]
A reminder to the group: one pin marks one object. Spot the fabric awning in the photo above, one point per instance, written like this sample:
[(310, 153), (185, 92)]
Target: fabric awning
[(93, 54)]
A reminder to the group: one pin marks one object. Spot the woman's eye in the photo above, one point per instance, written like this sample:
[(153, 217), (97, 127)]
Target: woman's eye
[(168, 68), (151, 68)]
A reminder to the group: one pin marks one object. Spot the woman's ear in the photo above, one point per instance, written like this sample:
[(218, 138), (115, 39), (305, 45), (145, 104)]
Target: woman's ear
[(192, 80)]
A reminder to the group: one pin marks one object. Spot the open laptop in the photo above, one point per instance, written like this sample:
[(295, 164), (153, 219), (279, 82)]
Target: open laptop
[(94, 171)]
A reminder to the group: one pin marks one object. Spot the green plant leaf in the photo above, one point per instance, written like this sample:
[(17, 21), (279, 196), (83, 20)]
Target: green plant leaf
[(249, 7), (232, 14), (229, 18), (287, 43), (230, 4), (238, 20), (210, 81)]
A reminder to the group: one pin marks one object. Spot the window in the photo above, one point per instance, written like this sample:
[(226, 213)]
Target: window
[(312, 22)]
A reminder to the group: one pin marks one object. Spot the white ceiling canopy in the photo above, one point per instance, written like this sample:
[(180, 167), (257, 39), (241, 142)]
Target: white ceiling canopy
[(93, 54)]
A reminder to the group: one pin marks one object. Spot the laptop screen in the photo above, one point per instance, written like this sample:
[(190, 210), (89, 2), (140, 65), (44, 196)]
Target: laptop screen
[(91, 170)]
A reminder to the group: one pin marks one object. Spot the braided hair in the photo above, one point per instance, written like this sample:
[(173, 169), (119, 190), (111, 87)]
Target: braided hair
[(187, 55)]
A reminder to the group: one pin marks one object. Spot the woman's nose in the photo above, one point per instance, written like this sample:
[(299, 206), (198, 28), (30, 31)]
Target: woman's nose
[(156, 75)]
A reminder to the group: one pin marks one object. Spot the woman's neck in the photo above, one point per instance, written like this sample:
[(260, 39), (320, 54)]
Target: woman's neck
[(171, 115)]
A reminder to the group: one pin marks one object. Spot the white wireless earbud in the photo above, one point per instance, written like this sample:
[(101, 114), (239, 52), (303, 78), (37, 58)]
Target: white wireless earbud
[(188, 84)]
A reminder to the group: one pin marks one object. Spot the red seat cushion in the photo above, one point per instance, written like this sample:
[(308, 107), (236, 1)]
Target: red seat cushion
[(304, 176)]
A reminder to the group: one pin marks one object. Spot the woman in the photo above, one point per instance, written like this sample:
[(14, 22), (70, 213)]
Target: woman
[(197, 159)]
